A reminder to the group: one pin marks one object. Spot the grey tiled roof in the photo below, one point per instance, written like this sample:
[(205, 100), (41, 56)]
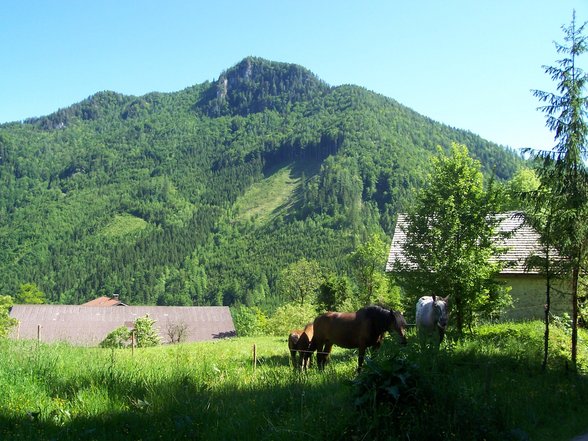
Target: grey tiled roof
[(522, 242), (88, 326), (398, 240)]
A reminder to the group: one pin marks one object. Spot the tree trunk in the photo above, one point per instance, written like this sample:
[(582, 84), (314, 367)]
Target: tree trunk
[(547, 309), (575, 279), (459, 315)]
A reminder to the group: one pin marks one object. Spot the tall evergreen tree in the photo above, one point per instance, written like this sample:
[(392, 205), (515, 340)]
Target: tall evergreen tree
[(563, 170)]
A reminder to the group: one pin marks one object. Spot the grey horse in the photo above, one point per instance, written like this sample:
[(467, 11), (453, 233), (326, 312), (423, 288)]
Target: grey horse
[(431, 315)]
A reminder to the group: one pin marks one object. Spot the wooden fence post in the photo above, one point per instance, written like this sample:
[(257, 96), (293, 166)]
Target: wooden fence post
[(133, 342)]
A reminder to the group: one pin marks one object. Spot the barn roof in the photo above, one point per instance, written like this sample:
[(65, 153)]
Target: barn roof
[(88, 326), (520, 240), (105, 301)]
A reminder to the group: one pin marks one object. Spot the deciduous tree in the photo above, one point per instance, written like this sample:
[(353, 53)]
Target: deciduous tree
[(449, 239), (6, 322), (301, 280), (368, 262), (29, 293)]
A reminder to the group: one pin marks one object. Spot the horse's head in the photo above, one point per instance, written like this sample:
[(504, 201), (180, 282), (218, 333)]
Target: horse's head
[(440, 311), (399, 325)]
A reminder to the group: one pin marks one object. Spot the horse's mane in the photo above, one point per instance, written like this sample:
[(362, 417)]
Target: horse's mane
[(381, 317), (399, 318)]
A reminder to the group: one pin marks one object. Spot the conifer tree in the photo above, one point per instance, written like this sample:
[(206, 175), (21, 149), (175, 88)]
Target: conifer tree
[(562, 171)]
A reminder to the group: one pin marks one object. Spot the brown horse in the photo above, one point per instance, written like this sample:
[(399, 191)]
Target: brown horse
[(362, 329), (299, 342), (292, 342)]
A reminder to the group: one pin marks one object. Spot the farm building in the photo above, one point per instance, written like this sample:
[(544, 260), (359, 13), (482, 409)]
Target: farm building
[(89, 325), (105, 301), (527, 285)]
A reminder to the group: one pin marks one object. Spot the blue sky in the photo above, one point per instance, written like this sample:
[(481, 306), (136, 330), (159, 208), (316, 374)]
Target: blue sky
[(468, 64)]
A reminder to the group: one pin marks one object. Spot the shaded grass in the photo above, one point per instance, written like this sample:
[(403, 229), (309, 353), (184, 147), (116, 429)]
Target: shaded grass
[(487, 386)]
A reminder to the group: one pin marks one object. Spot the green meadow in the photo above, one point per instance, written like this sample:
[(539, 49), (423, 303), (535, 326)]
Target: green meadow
[(487, 386)]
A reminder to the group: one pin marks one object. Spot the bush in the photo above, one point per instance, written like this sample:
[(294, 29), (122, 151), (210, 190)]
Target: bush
[(290, 316), (390, 380), (146, 333), (119, 338), (6, 322), (249, 321)]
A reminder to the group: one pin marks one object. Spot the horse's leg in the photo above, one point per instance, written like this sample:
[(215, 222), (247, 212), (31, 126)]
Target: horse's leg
[(307, 360), (327, 352), (423, 337), (304, 353), (301, 356), (441, 335), (322, 352), (321, 355), (360, 357), (293, 357), (316, 345), (307, 354)]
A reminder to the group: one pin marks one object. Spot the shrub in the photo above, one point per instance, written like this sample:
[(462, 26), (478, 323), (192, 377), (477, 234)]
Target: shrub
[(6, 322), (146, 333), (119, 338), (396, 399), (249, 321), (290, 316), (388, 380)]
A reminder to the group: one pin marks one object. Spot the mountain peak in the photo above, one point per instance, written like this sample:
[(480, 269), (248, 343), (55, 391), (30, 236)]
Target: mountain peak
[(255, 84)]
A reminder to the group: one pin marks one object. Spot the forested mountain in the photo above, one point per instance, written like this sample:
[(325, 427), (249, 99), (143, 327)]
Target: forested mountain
[(202, 196)]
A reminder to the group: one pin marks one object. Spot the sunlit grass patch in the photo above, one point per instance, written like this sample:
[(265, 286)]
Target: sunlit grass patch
[(123, 225), (263, 199)]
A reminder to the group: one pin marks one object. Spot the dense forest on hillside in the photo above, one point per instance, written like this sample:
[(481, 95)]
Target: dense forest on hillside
[(202, 196)]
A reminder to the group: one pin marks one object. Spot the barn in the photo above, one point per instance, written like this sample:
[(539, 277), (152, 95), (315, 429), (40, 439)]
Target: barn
[(88, 325), (527, 285)]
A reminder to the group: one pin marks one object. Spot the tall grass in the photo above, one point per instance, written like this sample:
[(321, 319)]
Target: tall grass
[(488, 386)]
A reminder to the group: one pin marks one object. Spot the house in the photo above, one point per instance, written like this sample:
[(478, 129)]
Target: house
[(89, 325), (527, 284), (105, 301)]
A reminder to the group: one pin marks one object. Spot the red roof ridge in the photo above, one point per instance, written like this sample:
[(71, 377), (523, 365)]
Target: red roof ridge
[(105, 301)]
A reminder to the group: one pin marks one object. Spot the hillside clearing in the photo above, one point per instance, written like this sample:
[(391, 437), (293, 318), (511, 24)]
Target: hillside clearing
[(123, 225), (265, 199)]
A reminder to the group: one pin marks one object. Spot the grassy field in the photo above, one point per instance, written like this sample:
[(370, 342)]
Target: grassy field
[(487, 386)]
